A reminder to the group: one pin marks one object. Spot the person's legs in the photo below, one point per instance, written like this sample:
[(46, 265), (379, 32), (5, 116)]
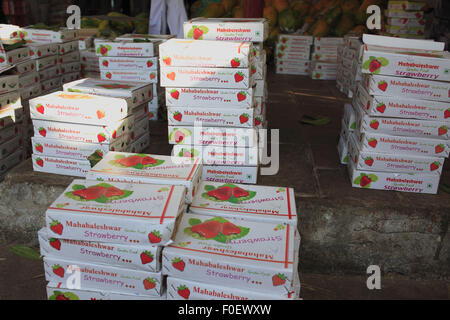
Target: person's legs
[(176, 16), (157, 20)]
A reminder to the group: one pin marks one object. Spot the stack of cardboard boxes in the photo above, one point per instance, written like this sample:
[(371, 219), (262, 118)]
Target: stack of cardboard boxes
[(293, 54), (349, 73), (405, 19), (324, 62)]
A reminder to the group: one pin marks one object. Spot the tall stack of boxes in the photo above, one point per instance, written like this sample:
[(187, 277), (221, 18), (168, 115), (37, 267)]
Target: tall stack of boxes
[(293, 54), (324, 62), (89, 64), (349, 73), (405, 19), (402, 114)]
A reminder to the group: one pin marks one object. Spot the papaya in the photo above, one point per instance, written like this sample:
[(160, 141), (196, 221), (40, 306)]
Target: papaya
[(238, 12), (288, 22), (271, 14), (213, 10), (333, 16), (320, 28), (280, 5), (228, 5), (267, 3), (125, 26), (344, 26), (301, 8)]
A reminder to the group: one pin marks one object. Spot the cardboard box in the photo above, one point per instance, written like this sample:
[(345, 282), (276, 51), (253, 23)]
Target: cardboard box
[(343, 149), (148, 76), (17, 55), (328, 41), (303, 71), (129, 256), (140, 145), (227, 29), (209, 98), (42, 50), (255, 256), (104, 277), (407, 5), (222, 78), (31, 91), (9, 147), (391, 13), (10, 100), (126, 48), (27, 80), (128, 63), (140, 128), (11, 116), (213, 155), (70, 67), (8, 84), (133, 36), (11, 34), (252, 203), (216, 136), (167, 170), (47, 62), (69, 77), (292, 55), (69, 57), (61, 166), (25, 67), (230, 174), (293, 39), (85, 43), (12, 160), (42, 35), (415, 30), (323, 75), (69, 46), (50, 73), (121, 213), (51, 85), (205, 54), (407, 22)]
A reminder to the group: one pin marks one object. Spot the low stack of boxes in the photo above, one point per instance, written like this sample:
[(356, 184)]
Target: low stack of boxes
[(293, 54), (69, 61), (405, 19), (324, 63), (348, 126), (402, 134), (349, 66), (89, 64)]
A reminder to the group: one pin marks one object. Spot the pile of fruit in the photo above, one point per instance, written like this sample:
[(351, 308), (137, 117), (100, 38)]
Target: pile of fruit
[(112, 28)]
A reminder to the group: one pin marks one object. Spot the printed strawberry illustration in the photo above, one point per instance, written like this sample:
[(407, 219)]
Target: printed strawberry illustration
[(374, 65), (278, 280), (373, 142), (175, 94), (235, 63), (382, 85), (229, 228), (198, 33), (365, 181), (243, 118), (154, 237), (439, 148), (113, 192), (2, 59), (241, 96), (447, 114), (103, 50), (381, 107), (368, 161), (238, 77), (178, 264), (40, 108), (149, 64), (222, 194), (253, 69), (434, 166), (240, 193), (58, 270), (101, 138), (39, 148), (146, 257), (171, 76), (61, 297), (42, 132), (114, 135), (167, 61), (442, 130), (100, 114), (284, 40), (40, 162), (374, 124), (105, 63), (55, 243), (208, 229), (152, 76), (149, 283), (177, 116), (184, 292), (56, 227), (109, 75)]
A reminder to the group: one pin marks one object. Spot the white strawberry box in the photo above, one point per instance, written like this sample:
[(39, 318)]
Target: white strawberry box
[(128, 63), (81, 132), (391, 13), (121, 213), (129, 256), (51, 85), (41, 50), (89, 57), (328, 41), (50, 73), (103, 277), (10, 34), (399, 107), (12, 160), (42, 35), (252, 203), (69, 77), (223, 78), (31, 91), (255, 256), (319, 56), (405, 58), (205, 54), (407, 5), (47, 62), (349, 118), (403, 182), (181, 289), (28, 79), (213, 155), (209, 98), (230, 174), (295, 39), (395, 162), (26, 66), (324, 66), (293, 48), (382, 143), (406, 22), (292, 55), (10, 100), (69, 46), (70, 67), (79, 108), (57, 291), (17, 55), (69, 57), (140, 128), (125, 167), (211, 117), (148, 76), (61, 166), (227, 29), (137, 93), (259, 70), (293, 63), (260, 89), (216, 136), (416, 30), (85, 43), (298, 70), (343, 148), (140, 145), (134, 36), (126, 48), (407, 87), (9, 147), (323, 75), (8, 83)]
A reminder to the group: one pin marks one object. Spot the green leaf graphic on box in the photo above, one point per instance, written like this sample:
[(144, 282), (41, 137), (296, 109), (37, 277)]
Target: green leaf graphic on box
[(209, 188), (74, 90), (384, 62), (76, 187), (373, 177), (139, 166), (366, 64), (25, 252), (68, 295), (204, 29), (184, 131), (194, 222), (353, 125), (358, 180), (190, 34)]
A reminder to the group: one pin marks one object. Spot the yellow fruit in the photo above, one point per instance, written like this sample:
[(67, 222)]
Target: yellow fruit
[(319, 29), (213, 10), (280, 5), (271, 14)]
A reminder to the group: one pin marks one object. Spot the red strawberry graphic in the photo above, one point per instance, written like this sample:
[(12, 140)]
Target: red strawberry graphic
[(240, 193), (368, 161), (365, 181), (178, 264), (222, 194), (178, 116), (55, 243), (167, 61), (241, 96), (434, 166), (238, 77), (89, 194), (208, 229), (129, 161), (103, 50), (447, 114), (152, 76), (109, 75), (184, 292), (105, 63), (113, 192), (374, 124), (40, 108), (235, 63), (114, 135), (171, 76), (175, 94), (243, 118), (146, 257), (58, 270), (373, 143), (100, 114), (101, 138), (39, 148), (149, 64), (278, 280), (154, 237), (40, 162), (61, 297), (284, 40), (2, 59), (418, 15), (229, 228), (381, 107), (382, 85), (149, 283), (374, 65), (42, 132), (442, 130), (439, 148), (197, 33), (148, 160)]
